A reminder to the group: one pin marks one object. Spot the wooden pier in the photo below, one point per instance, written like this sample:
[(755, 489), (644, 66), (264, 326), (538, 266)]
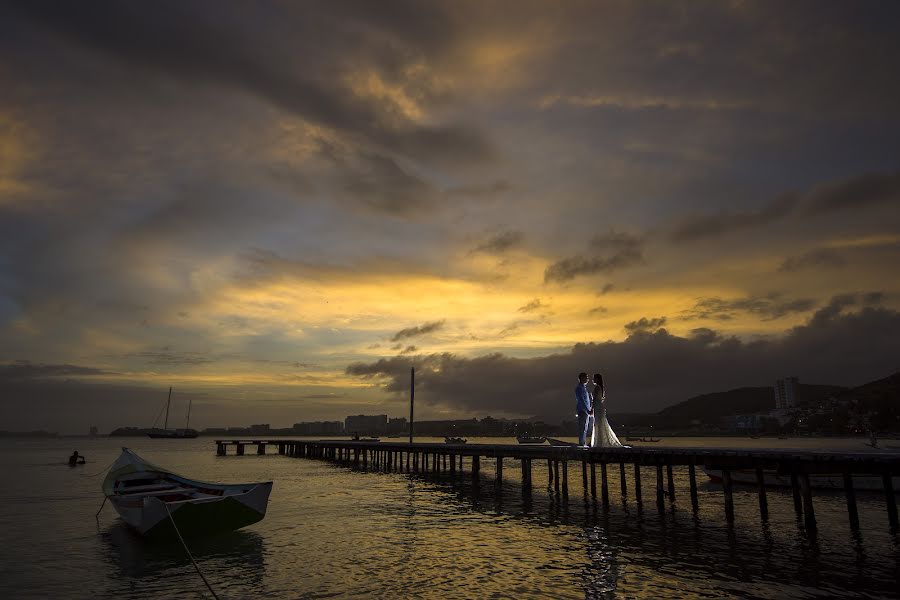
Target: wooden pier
[(420, 457)]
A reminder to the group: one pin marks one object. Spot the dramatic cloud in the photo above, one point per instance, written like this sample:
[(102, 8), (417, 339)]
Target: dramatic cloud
[(772, 306), (620, 250), (650, 370), (859, 193), (532, 306), (22, 370), (418, 330), (501, 242), (645, 325), (820, 257), (241, 199)]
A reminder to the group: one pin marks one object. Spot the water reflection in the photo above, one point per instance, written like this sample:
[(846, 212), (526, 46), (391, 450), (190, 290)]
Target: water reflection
[(140, 565), (751, 559)]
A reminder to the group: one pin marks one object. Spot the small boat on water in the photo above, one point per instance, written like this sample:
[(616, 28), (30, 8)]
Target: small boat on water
[(173, 434), (149, 498), (775, 479), (454, 440), (530, 439)]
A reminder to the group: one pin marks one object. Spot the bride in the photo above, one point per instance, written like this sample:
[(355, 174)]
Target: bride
[(603, 435)]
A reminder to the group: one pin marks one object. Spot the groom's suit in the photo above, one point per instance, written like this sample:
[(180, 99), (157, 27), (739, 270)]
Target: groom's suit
[(582, 409)]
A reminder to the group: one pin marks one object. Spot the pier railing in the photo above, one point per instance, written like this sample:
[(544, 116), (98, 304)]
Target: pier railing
[(796, 466)]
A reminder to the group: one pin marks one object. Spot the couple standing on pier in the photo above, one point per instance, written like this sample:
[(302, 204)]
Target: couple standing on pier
[(590, 406)]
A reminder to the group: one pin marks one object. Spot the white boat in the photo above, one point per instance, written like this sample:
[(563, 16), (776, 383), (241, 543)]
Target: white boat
[(773, 478), (149, 498), (174, 434)]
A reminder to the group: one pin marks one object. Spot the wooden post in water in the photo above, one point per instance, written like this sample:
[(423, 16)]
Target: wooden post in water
[(660, 494), (891, 502), (565, 478), (240, 449), (763, 502), (637, 484), (852, 512), (670, 478), (499, 479), (526, 475), (549, 473), (220, 449), (795, 488), (556, 476), (593, 480), (604, 485), (692, 475), (584, 476), (623, 481), (809, 515), (729, 498), (476, 467)]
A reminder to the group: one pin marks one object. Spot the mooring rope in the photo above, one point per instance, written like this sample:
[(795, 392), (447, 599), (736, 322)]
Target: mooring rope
[(191, 556), (102, 471)]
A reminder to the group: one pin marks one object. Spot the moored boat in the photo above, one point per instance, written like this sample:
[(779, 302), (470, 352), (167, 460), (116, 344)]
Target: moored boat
[(149, 498), (530, 439), (824, 481)]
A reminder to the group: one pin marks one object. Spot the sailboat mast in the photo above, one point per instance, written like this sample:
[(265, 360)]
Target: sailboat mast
[(188, 424), (169, 401)]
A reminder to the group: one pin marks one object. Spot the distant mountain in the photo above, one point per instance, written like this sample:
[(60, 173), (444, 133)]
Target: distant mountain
[(880, 399)]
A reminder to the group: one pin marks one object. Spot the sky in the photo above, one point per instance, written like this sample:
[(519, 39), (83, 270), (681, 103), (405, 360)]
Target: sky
[(279, 208)]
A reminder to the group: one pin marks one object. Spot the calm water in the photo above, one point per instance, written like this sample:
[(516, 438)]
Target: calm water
[(332, 532)]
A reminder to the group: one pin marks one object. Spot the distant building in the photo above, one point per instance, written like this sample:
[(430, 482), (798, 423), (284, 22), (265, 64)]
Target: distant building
[(366, 424), (260, 429), (786, 392), (318, 428), (397, 425)]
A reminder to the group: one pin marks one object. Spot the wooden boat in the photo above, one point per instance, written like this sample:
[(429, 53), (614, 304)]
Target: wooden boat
[(454, 440), (775, 479), (530, 439), (149, 498), (173, 434)]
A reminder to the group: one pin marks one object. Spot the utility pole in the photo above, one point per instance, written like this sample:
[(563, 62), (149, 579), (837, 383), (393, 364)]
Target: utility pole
[(412, 399)]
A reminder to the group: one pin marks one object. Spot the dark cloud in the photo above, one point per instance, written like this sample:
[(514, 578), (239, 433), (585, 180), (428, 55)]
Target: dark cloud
[(855, 193), (700, 227), (597, 310), (409, 350), (645, 325), (769, 307), (500, 242), (820, 257), (481, 190), (302, 67), (619, 250), (172, 358), (418, 330), (606, 289), (380, 183), (532, 306), (651, 370), (22, 370)]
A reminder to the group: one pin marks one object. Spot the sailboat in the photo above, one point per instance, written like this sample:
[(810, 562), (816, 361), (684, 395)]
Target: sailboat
[(174, 434)]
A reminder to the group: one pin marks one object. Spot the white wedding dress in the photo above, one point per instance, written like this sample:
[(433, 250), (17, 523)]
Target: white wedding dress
[(603, 435)]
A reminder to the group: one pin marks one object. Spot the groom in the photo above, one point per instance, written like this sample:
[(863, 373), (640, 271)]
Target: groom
[(583, 407)]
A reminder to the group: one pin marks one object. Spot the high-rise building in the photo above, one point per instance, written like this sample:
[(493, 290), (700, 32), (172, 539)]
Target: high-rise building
[(366, 424), (786, 392)]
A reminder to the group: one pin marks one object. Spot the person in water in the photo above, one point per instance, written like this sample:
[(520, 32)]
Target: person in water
[(583, 407), (76, 459)]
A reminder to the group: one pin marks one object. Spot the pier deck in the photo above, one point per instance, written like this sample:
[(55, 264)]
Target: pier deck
[(429, 457)]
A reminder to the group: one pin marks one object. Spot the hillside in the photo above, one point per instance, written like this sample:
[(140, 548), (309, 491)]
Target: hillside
[(710, 408)]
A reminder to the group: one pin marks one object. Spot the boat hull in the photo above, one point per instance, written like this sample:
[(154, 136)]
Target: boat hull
[(145, 496)]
